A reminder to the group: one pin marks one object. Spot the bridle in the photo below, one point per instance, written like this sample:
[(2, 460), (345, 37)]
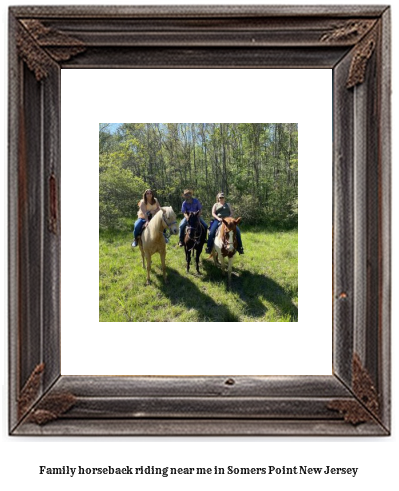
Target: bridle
[(197, 234), (168, 225), (227, 242)]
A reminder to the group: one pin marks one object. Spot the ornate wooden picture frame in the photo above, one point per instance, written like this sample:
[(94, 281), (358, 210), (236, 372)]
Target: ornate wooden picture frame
[(352, 41)]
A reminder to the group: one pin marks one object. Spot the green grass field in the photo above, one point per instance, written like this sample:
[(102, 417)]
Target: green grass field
[(264, 283)]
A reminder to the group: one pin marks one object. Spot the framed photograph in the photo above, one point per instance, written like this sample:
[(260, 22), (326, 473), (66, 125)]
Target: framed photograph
[(350, 42), (186, 166)]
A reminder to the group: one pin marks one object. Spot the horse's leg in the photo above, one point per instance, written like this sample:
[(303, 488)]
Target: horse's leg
[(142, 254), (163, 256), (188, 258), (148, 258), (230, 267), (215, 257), (222, 263), (197, 258)]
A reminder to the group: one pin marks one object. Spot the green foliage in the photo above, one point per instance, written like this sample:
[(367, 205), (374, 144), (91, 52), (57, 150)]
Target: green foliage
[(254, 164), (120, 192), (107, 140), (248, 207)]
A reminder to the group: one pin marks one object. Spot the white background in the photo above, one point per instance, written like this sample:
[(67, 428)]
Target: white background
[(375, 457), (302, 348)]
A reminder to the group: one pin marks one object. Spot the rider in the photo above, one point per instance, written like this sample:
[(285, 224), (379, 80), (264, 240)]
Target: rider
[(148, 206), (221, 210), (190, 204)]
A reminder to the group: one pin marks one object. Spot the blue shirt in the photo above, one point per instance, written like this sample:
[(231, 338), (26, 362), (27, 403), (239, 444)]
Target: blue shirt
[(195, 205)]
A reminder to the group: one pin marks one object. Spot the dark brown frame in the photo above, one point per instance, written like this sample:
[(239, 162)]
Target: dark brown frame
[(353, 41)]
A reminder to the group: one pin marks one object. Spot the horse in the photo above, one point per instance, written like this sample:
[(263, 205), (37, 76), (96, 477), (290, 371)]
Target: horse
[(194, 239), (152, 239), (226, 244)]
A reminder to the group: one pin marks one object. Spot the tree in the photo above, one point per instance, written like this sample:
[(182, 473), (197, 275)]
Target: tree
[(256, 164), (119, 193)]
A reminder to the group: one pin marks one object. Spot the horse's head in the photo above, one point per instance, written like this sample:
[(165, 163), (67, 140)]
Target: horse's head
[(192, 223), (231, 223), (230, 232), (193, 219), (169, 218)]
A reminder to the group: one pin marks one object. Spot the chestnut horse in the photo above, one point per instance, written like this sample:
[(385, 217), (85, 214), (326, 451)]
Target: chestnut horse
[(194, 239), (226, 244), (152, 239)]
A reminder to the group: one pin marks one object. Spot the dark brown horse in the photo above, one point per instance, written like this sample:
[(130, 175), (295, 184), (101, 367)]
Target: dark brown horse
[(194, 239)]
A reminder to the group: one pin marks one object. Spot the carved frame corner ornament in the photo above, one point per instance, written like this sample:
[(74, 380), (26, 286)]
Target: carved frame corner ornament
[(364, 33), (354, 43), (349, 31), (51, 407), (38, 45), (361, 56), (30, 391), (366, 406)]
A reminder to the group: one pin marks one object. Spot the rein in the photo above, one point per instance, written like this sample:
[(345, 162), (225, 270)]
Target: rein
[(167, 233), (226, 242), (197, 235), (168, 224)]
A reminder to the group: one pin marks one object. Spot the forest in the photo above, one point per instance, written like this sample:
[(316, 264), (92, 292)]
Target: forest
[(254, 164)]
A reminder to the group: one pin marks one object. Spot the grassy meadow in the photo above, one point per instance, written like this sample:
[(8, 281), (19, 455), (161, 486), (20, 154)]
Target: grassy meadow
[(264, 282)]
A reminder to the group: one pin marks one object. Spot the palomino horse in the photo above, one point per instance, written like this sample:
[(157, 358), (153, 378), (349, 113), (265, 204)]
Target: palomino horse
[(226, 244), (194, 239), (152, 239)]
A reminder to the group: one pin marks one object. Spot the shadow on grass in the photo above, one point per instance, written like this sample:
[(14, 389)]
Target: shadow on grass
[(252, 289), (180, 290)]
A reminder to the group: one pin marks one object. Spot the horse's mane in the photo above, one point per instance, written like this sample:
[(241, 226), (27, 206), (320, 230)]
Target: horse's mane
[(154, 222), (157, 218), (169, 211)]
